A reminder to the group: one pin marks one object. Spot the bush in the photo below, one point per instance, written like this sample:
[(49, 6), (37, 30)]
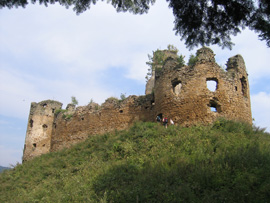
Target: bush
[(58, 111)]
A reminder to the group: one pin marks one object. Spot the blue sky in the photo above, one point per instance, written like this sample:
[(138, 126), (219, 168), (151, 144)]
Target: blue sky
[(52, 53)]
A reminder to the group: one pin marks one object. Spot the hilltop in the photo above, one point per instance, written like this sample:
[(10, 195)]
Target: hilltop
[(224, 162)]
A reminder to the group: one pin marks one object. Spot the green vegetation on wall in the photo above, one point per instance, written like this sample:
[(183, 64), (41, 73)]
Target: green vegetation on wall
[(158, 58), (74, 100), (192, 60)]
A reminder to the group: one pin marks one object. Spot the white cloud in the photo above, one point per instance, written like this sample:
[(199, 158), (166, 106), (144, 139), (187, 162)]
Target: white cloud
[(254, 52), (261, 109), (16, 94), (18, 90), (9, 156)]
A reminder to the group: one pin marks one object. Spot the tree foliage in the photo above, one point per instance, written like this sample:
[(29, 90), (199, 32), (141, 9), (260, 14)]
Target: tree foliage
[(74, 100), (158, 59), (205, 22), (192, 60), (181, 60), (198, 22)]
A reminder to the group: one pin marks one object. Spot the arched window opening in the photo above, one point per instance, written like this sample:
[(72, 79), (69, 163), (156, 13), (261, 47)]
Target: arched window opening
[(176, 85), (34, 145), (212, 84), (121, 111), (44, 105)]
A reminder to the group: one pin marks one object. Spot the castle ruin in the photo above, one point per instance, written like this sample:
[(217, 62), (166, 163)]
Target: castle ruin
[(175, 91)]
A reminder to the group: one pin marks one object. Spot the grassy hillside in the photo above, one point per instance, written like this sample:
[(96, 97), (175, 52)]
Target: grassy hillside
[(226, 162)]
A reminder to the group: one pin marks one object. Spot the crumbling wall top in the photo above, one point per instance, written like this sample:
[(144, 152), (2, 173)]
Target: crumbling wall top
[(204, 55), (71, 108), (236, 62), (44, 106)]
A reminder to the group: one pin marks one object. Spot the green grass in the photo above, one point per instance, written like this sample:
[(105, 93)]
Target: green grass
[(225, 162)]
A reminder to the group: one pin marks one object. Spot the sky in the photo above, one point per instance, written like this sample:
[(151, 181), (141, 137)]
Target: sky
[(52, 53)]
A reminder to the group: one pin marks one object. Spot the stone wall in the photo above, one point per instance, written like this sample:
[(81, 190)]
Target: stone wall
[(179, 93), (88, 120)]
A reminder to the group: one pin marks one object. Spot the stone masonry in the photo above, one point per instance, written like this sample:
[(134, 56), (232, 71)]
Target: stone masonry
[(177, 92)]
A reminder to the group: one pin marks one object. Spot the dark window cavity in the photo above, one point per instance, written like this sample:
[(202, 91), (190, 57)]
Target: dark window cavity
[(214, 106), (176, 85), (31, 123)]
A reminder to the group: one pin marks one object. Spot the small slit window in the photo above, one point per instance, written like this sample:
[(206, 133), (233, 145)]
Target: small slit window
[(212, 84), (31, 123), (121, 111)]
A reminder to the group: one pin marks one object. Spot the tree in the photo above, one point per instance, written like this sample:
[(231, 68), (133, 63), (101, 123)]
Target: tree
[(123, 96), (74, 101), (205, 22), (181, 60), (192, 60), (198, 22), (171, 47)]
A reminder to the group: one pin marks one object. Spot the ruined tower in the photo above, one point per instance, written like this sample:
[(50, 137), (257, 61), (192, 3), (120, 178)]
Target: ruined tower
[(182, 93), (39, 128)]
